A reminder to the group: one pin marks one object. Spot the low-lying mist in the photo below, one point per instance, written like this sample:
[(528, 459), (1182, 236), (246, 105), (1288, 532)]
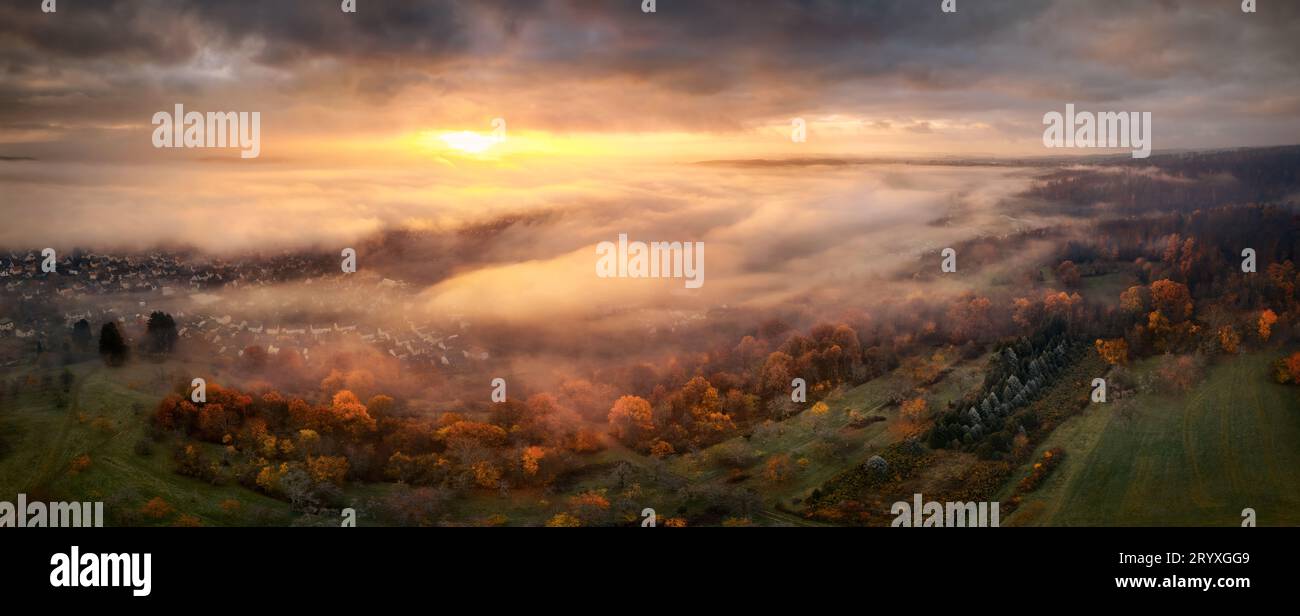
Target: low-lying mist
[(507, 257)]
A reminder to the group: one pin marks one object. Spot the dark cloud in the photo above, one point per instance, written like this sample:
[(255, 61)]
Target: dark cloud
[(297, 32), (122, 30), (172, 31), (720, 65)]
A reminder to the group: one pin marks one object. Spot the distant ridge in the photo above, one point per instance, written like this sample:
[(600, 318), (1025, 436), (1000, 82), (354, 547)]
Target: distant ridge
[(980, 161)]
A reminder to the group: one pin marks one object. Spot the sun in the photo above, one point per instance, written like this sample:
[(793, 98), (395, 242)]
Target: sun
[(469, 142)]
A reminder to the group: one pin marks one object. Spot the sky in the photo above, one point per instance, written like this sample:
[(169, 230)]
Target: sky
[(601, 78)]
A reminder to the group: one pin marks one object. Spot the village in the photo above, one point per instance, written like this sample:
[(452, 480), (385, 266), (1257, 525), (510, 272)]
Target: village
[(217, 305)]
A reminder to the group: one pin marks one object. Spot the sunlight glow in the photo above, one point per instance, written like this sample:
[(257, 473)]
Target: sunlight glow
[(469, 142)]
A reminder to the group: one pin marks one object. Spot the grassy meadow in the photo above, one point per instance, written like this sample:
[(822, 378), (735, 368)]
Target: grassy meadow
[(1230, 443)]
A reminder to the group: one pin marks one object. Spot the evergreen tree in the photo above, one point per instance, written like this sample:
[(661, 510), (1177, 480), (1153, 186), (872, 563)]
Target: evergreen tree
[(112, 345), (161, 332), (81, 335)]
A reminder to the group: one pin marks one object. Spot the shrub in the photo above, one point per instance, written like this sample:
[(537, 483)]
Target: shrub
[(877, 467), (156, 508)]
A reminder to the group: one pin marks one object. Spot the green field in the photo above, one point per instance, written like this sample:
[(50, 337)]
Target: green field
[(1194, 460), (1106, 288), (104, 415)]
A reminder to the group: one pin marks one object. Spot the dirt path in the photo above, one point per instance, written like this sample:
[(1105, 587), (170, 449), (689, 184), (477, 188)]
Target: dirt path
[(783, 519), (50, 468)]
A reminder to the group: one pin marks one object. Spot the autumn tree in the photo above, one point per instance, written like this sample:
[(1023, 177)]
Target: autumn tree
[(776, 374), (1287, 369), (508, 413), (156, 508), (1172, 248), (585, 440), (563, 520), (631, 419), (1167, 336), (1229, 339), (215, 421), (1267, 319), (912, 414), (465, 436), (169, 415), (739, 405), (924, 369), (1112, 351), (968, 318), (530, 459), (1135, 300), (1172, 300), (661, 449), (913, 411), (349, 415), (1282, 284), (1027, 312), (308, 441), (847, 339), (380, 406), (1068, 274), (778, 468), (418, 470), (254, 357), (1061, 304), (592, 507), (699, 401), (543, 421), (333, 469)]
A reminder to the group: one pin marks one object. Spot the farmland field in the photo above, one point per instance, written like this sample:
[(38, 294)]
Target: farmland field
[(1230, 443)]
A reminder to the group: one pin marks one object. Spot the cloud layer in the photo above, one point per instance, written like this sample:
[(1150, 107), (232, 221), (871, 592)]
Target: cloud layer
[(977, 80)]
